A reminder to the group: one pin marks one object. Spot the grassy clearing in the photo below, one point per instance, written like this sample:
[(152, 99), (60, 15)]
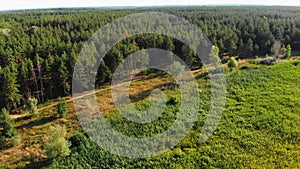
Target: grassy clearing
[(260, 127)]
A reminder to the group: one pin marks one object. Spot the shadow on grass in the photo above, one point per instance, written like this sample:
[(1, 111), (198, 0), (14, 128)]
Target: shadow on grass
[(142, 95), (37, 164), (27, 117), (202, 76), (38, 122)]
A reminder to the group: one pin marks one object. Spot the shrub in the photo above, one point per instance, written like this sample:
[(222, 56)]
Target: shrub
[(32, 106), (62, 107), (57, 145), (232, 63), (172, 101)]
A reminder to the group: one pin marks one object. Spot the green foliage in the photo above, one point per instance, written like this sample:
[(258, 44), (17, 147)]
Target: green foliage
[(187, 55), (62, 107), (214, 57), (232, 63), (288, 51), (9, 135), (45, 48), (7, 124), (57, 146), (9, 86), (253, 123), (262, 111), (32, 106)]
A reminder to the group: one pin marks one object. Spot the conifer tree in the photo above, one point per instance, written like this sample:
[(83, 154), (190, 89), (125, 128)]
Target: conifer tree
[(10, 87), (9, 135)]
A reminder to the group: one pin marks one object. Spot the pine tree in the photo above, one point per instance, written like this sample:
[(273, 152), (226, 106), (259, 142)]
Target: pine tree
[(7, 124), (57, 145), (288, 51), (10, 87), (9, 135), (63, 75), (32, 106), (24, 77), (187, 55), (169, 44), (103, 74), (62, 107), (39, 62)]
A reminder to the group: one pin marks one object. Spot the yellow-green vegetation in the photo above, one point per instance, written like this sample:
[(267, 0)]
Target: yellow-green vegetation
[(57, 146), (62, 107), (259, 127), (5, 31), (232, 63)]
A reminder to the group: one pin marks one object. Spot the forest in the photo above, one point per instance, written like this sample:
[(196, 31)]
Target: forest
[(260, 126), (40, 49)]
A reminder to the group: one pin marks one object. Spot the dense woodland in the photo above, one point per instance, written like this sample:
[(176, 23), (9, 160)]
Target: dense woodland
[(39, 48)]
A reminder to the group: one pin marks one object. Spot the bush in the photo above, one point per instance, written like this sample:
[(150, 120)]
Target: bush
[(32, 106), (172, 101), (57, 145), (232, 63), (62, 107)]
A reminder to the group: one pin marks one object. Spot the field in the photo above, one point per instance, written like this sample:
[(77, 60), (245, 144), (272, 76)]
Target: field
[(260, 127)]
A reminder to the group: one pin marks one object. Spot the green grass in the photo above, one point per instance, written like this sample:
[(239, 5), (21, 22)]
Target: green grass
[(262, 116), (260, 127)]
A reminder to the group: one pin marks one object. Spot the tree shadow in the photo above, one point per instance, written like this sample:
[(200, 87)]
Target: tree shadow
[(37, 164), (142, 95), (38, 122), (202, 76), (27, 117)]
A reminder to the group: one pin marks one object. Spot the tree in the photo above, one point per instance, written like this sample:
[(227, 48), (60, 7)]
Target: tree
[(276, 49), (169, 44), (9, 134), (62, 107), (39, 61), (103, 74), (63, 73), (32, 106), (288, 51), (57, 146), (232, 63), (248, 49), (24, 74), (113, 59), (187, 55), (214, 57), (10, 87)]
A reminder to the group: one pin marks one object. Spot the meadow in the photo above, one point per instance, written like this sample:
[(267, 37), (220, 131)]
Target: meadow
[(259, 127)]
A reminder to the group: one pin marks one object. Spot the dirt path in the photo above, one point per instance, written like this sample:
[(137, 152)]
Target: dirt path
[(15, 116), (74, 98), (55, 103)]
